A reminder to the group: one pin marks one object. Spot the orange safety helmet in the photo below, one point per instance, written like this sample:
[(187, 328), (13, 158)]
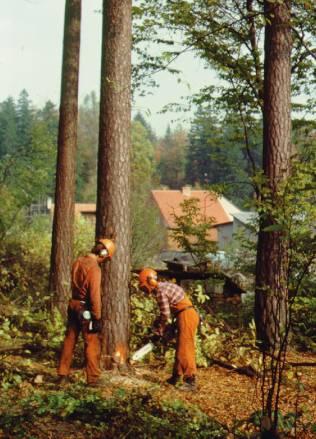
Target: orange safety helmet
[(109, 245), (148, 278)]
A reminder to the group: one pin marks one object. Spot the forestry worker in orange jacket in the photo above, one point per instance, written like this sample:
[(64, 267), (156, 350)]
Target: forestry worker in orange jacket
[(172, 300), (84, 311)]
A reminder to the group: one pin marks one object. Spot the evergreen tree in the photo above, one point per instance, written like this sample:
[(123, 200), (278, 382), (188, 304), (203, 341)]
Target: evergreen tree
[(171, 153), (143, 213), (8, 127), (151, 134), (204, 136), (87, 149), (26, 175), (24, 120), (217, 155), (49, 116)]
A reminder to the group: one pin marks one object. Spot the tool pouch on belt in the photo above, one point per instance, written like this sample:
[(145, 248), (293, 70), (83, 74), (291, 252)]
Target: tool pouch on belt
[(78, 312), (94, 326)]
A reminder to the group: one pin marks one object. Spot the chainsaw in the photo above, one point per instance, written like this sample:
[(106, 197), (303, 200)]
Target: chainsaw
[(142, 352), (168, 336)]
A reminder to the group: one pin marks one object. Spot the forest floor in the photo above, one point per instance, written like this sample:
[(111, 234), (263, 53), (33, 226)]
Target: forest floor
[(226, 396)]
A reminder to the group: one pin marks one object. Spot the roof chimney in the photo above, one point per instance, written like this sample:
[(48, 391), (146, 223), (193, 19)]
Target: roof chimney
[(186, 191)]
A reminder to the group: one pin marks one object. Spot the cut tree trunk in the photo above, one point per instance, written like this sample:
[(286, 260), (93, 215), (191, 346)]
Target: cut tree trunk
[(113, 194)]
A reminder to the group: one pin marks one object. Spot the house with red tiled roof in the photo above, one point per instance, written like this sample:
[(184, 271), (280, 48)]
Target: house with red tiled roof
[(219, 209), (168, 202)]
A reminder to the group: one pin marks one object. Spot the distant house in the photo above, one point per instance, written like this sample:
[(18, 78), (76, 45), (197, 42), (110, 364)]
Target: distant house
[(83, 210), (86, 210), (241, 221), (218, 208), (226, 216)]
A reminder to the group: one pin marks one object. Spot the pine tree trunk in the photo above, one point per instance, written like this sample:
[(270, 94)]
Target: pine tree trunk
[(62, 239), (272, 255), (113, 194)]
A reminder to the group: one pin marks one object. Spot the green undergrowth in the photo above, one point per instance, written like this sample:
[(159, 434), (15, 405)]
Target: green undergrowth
[(136, 414)]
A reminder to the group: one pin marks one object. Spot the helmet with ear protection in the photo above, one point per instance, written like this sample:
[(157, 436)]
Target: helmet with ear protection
[(109, 247), (148, 278)]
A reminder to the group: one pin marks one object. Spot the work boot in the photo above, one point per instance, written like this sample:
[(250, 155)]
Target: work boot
[(174, 380), (63, 380), (100, 382), (189, 384)]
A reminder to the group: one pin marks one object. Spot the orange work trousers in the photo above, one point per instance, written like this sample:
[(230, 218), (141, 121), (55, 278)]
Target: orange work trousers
[(187, 324), (92, 348)]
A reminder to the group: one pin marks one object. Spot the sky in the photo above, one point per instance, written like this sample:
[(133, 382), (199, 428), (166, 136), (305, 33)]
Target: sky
[(31, 37)]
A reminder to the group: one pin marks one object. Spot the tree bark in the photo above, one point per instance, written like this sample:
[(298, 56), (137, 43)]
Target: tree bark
[(113, 193), (62, 237), (271, 304)]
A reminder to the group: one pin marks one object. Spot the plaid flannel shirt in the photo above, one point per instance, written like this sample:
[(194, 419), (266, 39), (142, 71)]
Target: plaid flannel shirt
[(167, 294)]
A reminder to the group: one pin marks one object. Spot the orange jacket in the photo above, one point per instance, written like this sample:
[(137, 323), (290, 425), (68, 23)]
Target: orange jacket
[(86, 283)]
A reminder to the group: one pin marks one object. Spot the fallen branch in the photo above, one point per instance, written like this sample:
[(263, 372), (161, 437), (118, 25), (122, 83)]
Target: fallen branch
[(292, 363), (21, 348), (9, 349), (303, 364), (242, 370)]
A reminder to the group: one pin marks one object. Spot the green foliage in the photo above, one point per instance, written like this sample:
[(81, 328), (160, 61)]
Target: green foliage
[(84, 236), (24, 301), (286, 421), (147, 233), (136, 413), (143, 166), (143, 312), (26, 161), (218, 155), (88, 129), (8, 129), (290, 211), (235, 346), (171, 155), (24, 260), (304, 323), (192, 229), (228, 39)]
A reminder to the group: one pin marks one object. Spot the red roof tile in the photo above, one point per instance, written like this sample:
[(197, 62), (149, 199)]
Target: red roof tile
[(168, 202)]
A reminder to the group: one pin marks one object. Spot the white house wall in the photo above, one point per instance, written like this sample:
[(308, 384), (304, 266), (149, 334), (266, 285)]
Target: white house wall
[(225, 235)]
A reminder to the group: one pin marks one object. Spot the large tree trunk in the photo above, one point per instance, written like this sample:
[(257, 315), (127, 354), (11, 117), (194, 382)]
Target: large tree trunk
[(62, 239), (113, 194), (272, 255), (271, 301)]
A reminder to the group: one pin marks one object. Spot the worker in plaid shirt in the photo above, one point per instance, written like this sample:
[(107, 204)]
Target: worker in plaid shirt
[(173, 302)]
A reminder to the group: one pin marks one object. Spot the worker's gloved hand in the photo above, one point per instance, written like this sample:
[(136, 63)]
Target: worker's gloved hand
[(95, 326), (154, 337), (170, 332), (159, 327)]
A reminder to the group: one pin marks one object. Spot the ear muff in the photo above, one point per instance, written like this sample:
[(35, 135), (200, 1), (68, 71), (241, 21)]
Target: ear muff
[(152, 281), (103, 253)]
